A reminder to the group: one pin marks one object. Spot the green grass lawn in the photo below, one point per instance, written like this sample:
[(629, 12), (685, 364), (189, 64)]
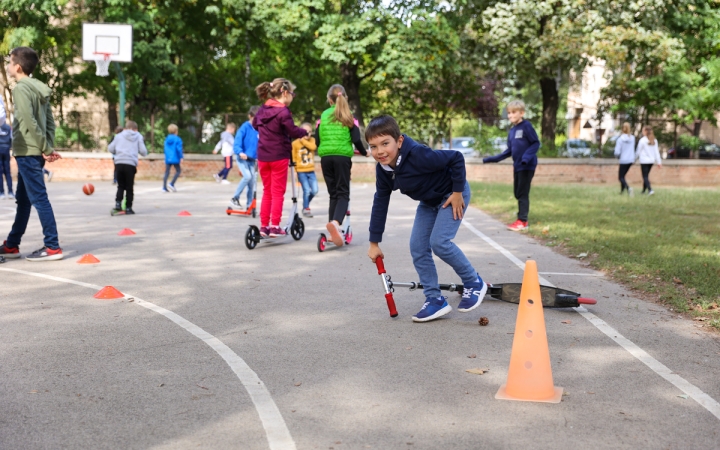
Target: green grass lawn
[(667, 245)]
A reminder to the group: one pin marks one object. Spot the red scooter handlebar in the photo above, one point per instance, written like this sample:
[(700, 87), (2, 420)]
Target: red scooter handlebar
[(388, 293)]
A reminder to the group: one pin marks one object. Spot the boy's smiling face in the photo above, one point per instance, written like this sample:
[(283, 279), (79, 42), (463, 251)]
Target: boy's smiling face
[(385, 149), (516, 116)]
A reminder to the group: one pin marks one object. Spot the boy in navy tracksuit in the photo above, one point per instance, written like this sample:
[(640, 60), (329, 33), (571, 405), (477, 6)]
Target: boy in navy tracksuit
[(5, 145), (437, 180), (523, 145)]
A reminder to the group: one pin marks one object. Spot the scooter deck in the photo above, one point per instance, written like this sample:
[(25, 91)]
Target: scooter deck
[(117, 212)]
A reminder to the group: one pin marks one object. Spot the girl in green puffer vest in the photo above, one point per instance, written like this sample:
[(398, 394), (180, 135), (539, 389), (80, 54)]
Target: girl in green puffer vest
[(336, 133)]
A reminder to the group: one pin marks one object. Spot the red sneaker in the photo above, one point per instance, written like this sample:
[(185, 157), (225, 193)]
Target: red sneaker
[(518, 225), (9, 253)]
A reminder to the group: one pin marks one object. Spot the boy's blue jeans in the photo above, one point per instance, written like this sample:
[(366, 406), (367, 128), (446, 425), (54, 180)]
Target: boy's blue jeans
[(433, 232), (5, 170), (309, 183), (178, 171), (247, 169), (31, 192)]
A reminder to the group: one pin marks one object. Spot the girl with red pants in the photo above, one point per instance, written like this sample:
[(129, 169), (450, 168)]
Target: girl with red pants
[(276, 131)]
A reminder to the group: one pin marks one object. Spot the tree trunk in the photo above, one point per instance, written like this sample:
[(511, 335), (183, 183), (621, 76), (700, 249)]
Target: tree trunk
[(351, 83), (112, 117), (550, 109)]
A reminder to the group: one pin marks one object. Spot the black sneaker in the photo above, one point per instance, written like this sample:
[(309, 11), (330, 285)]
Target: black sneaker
[(235, 201), (129, 211), (45, 254), (118, 206)]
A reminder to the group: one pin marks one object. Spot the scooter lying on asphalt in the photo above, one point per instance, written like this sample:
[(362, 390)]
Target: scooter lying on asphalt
[(552, 297)]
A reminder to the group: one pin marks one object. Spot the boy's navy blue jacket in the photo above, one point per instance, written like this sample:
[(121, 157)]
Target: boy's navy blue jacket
[(5, 139), (246, 141), (420, 173), (173, 149), (523, 145)]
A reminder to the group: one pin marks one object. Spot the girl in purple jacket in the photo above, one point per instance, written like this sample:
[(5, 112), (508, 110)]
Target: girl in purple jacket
[(277, 130)]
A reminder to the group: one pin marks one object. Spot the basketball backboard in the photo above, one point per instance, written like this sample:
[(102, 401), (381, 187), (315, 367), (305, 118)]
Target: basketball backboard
[(107, 38)]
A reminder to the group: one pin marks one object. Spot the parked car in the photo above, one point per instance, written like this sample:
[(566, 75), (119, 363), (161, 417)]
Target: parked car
[(709, 151), (576, 148), (499, 144), (464, 145), (679, 152)]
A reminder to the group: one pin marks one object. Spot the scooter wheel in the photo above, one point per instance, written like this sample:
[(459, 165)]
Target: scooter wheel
[(228, 212), (254, 213), (252, 237), (297, 229), (348, 236), (322, 240)]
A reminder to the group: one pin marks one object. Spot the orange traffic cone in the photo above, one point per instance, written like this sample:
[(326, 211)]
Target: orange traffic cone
[(88, 259), (126, 232), (184, 213), (530, 376), (108, 293)]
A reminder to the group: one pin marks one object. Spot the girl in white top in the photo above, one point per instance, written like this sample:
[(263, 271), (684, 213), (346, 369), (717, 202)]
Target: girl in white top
[(625, 152), (648, 154)]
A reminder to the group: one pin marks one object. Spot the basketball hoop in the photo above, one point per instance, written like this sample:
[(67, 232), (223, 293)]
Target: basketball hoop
[(102, 64)]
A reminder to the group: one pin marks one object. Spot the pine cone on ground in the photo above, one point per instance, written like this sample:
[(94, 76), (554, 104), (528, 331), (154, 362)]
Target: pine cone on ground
[(483, 321)]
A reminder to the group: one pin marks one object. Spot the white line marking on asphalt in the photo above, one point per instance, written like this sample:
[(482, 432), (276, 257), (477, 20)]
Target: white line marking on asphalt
[(276, 430), (656, 366), (573, 274)]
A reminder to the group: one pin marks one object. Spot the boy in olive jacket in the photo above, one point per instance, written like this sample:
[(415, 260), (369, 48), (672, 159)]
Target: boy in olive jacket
[(33, 141)]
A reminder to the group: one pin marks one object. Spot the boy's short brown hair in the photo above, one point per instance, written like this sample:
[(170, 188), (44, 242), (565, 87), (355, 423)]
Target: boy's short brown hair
[(130, 125), (26, 58), (172, 128), (384, 125), (516, 105)]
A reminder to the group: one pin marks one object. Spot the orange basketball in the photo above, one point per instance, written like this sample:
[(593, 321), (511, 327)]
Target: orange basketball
[(88, 189)]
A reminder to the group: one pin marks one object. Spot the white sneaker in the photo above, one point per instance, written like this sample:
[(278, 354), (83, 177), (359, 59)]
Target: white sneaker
[(3, 196), (630, 192), (651, 192), (217, 178), (224, 182), (11, 196)]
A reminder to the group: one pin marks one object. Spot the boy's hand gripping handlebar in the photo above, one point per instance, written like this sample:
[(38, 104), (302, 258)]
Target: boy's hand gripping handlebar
[(388, 292)]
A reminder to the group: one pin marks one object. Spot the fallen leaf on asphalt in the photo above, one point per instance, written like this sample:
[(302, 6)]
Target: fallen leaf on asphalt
[(202, 387), (298, 383), (567, 321), (477, 371), (683, 396), (590, 392), (33, 392), (161, 384), (408, 348), (472, 356)]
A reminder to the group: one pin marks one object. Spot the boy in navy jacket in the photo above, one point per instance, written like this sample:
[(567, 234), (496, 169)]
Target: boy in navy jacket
[(523, 145), (437, 180)]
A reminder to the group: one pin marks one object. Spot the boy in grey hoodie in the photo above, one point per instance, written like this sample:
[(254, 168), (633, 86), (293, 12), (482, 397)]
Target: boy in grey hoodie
[(126, 146), (33, 146)]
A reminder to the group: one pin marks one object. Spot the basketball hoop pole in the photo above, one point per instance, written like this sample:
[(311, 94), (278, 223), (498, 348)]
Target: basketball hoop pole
[(121, 80)]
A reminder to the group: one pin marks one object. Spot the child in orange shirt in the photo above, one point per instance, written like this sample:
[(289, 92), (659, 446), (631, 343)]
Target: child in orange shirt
[(302, 151)]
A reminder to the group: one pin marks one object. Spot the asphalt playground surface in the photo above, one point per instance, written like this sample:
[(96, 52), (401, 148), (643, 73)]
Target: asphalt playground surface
[(286, 347)]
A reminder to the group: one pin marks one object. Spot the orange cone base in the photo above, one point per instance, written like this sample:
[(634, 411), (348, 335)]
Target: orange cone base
[(88, 259), (108, 293), (126, 232), (184, 213), (503, 395)]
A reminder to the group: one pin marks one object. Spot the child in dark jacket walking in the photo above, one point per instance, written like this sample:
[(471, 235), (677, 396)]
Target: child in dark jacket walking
[(277, 130), (522, 145), (437, 180), (5, 145), (173, 149)]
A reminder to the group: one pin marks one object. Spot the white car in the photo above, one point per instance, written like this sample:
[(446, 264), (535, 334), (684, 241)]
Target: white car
[(463, 145)]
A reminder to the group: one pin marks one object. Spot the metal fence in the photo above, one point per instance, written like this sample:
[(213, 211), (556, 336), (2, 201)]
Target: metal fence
[(90, 130)]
